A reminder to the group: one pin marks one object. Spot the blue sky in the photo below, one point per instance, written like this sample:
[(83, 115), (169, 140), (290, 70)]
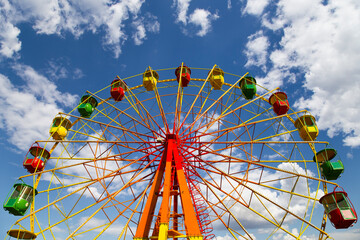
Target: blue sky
[(51, 52)]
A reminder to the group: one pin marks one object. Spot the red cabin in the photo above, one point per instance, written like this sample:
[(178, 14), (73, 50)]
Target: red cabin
[(339, 209), (185, 75), (36, 158), (118, 88), (279, 102)]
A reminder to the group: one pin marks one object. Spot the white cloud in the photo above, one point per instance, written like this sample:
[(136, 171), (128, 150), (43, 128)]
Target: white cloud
[(273, 79), (255, 7), (198, 18), (319, 42), (256, 50), (62, 16), (9, 42), (229, 6), (143, 25), (349, 234), (26, 112), (182, 7), (226, 237), (281, 236), (202, 18), (42, 88), (278, 179), (77, 73)]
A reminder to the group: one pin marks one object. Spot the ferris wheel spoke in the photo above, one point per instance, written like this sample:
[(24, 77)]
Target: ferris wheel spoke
[(125, 131), (246, 180), (210, 107), (226, 113), (120, 112), (150, 117), (159, 103), (195, 100), (179, 99), (233, 178), (133, 212), (95, 212), (108, 199), (212, 186), (247, 125), (259, 164), (224, 206), (78, 190), (237, 158)]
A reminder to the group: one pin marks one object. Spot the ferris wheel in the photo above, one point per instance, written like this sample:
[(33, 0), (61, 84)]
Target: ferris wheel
[(193, 155)]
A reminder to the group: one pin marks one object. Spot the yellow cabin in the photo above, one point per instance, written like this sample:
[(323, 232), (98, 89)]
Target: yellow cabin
[(150, 78), (59, 128), (307, 128), (217, 78)]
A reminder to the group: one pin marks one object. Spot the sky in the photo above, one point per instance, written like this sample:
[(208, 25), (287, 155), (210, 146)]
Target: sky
[(52, 51)]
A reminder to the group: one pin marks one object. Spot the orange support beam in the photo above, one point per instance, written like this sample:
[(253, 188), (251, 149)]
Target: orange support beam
[(143, 229), (174, 181), (191, 224)]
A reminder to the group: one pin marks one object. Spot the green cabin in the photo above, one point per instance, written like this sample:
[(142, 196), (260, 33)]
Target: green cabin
[(331, 170), (248, 87), (87, 106), (20, 199)]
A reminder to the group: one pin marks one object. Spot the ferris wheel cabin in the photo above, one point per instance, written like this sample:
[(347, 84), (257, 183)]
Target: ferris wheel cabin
[(339, 209), (21, 234), (248, 87), (217, 78), (118, 88), (307, 128), (20, 199), (185, 73), (36, 159), (59, 128), (87, 106), (279, 102), (150, 79), (331, 170)]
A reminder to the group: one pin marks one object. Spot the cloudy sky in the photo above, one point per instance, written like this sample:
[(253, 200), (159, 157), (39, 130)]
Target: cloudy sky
[(52, 51)]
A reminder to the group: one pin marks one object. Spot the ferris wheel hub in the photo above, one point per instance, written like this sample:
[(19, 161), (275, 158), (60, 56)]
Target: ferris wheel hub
[(171, 136)]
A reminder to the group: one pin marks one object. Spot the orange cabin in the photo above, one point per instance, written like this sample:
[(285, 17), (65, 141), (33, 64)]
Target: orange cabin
[(279, 102), (185, 73), (36, 159), (118, 88)]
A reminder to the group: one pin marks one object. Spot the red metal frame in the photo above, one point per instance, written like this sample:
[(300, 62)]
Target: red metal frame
[(174, 186)]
